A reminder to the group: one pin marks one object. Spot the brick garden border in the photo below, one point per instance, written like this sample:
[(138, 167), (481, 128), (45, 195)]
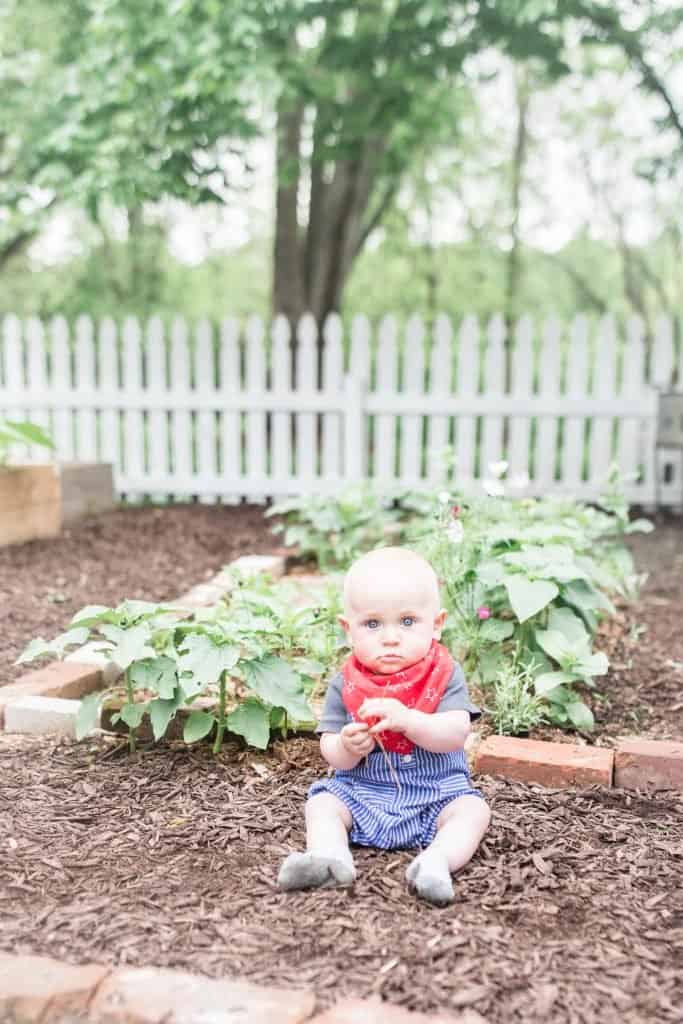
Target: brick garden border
[(45, 700)]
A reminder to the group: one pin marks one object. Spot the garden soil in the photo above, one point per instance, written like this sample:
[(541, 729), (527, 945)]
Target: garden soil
[(572, 910)]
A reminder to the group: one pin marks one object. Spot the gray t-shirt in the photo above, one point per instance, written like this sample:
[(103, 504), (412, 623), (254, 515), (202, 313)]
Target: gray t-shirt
[(335, 716)]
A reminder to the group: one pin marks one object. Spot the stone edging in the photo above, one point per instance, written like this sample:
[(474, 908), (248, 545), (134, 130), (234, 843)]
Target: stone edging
[(40, 990), (54, 690)]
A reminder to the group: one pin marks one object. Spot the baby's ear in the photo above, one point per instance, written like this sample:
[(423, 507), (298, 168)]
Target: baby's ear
[(438, 623), (344, 623)]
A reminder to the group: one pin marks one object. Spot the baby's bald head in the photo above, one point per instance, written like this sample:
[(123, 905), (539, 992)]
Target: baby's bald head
[(396, 570)]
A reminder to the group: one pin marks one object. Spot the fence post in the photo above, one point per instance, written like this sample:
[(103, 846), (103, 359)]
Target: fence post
[(355, 429)]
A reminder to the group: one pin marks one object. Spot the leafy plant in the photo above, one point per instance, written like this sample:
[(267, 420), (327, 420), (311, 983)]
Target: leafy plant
[(516, 707), (248, 665), (13, 432)]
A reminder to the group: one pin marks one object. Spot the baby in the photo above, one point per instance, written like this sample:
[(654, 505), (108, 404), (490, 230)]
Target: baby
[(393, 727)]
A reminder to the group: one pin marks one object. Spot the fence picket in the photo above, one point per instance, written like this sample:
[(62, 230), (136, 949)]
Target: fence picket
[(411, 447), (230, 423), (576, 387), (156, 387), (603, 387), (468, 372), (630, 454), (358, 438), (662, 356), (547, 432), (36, 376), (13, 375), (519, 426), (386, 383), (181, 422), (438, 427), (281, 382), (110, 388), (494, 384), (306, 375), (62, 385), (205, 419), (134, 441), (333, 379), (84, 366)]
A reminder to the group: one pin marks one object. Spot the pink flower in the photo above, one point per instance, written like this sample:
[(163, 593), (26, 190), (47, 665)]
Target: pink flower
[(455, 511), (483, 613)]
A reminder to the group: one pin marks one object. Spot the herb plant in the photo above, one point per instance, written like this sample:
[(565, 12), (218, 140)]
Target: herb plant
[(14, 432)]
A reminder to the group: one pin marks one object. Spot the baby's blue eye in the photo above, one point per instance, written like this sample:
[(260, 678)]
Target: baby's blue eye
[(372, 623), (407, 620)]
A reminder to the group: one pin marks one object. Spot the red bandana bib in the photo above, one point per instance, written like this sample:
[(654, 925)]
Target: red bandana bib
[(420, 686)]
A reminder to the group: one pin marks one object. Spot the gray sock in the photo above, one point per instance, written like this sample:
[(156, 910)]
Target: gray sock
[(314, 870), (429, 875)]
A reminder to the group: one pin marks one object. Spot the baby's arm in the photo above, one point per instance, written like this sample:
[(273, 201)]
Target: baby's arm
[(440, 733), (346, 748)]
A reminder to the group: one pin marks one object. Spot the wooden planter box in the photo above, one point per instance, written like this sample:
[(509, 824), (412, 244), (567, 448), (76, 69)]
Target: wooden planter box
[(30, 503)]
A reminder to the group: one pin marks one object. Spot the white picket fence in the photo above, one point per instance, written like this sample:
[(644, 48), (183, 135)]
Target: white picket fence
[(238, 412)]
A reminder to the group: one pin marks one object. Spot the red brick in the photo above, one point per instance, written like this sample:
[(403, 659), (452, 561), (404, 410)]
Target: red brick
[(36, 988), (58, 679), (149, 995), (374, 1011), (639, 763), (548, 764)]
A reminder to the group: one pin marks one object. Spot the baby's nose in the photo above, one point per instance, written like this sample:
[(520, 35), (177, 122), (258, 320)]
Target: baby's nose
[(390, 635)]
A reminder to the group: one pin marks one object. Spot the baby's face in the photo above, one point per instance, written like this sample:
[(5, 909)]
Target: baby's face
[(391, 625)]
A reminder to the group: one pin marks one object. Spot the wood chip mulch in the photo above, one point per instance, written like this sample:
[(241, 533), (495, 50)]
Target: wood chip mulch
[(572, 911), (154, 554)]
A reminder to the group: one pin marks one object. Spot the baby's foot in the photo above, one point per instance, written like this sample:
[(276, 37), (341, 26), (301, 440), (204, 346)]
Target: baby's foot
[(311, 871), (430, 877)]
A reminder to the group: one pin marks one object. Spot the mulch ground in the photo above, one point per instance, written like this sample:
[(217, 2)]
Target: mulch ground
[(154, 554), (572, 910)]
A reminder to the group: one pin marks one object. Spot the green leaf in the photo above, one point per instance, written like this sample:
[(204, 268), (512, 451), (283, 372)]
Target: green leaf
[(157, 674), (88, 716), (198, 725), (567, 622), (37, 648), (205, 659), (130, 644), (586, 598), (276, 683), (161, 712), (593, 665), (580, 715), (29, 433), (251, 720), (528, 597), (93, 614), (132, 714), (490, 573), (489, 664), (548, 681), (496, 630)]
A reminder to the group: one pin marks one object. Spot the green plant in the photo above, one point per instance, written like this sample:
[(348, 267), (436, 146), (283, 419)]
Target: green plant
[(13, 432), (247, 665), (336, 529), (517, 709)]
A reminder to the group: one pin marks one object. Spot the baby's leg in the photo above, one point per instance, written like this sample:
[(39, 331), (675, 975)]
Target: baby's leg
[(327, 860), (460, 828)]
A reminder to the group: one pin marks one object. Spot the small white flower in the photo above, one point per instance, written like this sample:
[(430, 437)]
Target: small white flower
[(493, 488), (444, 497), (498, 469), (519, 481), (455, 531)]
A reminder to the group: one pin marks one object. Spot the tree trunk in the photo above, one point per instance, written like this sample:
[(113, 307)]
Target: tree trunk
[(513, 272), (288, 295)]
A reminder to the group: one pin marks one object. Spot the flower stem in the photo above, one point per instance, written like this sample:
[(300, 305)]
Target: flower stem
[(220, 729), (131, 700)]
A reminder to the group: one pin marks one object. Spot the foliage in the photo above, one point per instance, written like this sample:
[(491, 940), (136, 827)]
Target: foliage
[(516, 707), (335, 529), (21, 432), (525, 581), (248, 665)]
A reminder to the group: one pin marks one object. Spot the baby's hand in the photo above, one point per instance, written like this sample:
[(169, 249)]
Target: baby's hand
[(356, 739), (392, 714)]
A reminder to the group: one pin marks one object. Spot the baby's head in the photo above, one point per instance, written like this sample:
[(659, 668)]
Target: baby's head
[(391, 609)]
